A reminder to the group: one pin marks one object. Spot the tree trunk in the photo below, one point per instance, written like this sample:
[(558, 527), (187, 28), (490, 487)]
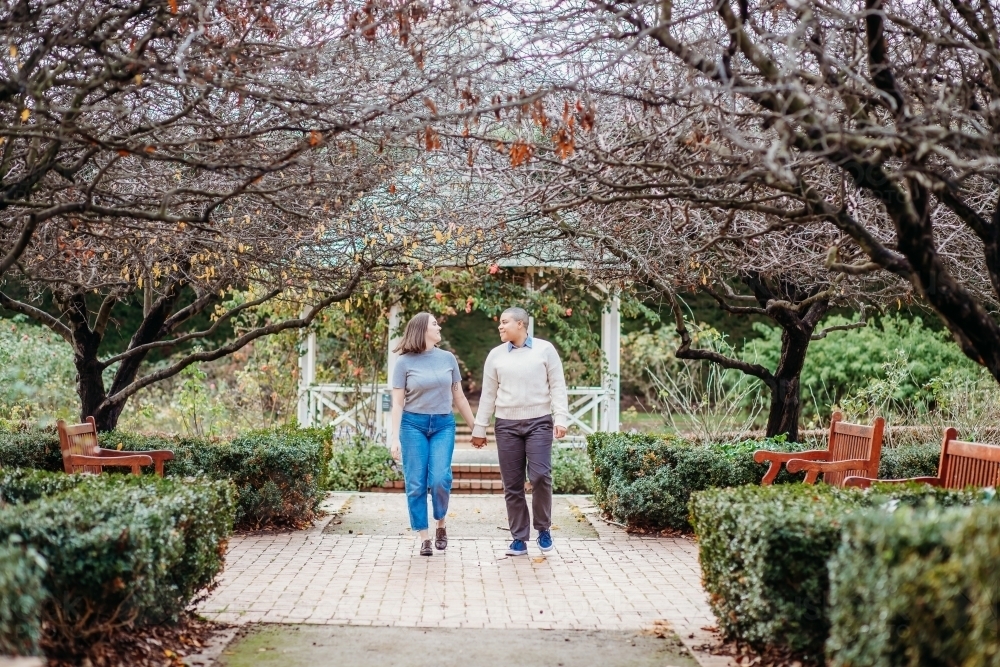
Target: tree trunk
[(786, 403), (785, 384)]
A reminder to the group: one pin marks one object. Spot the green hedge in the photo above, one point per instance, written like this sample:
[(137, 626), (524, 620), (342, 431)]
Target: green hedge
[(280, 474), (21, 598), (910, 461), (646, 480), (38, 449), (120, 550), (764, 553), (917, 588)]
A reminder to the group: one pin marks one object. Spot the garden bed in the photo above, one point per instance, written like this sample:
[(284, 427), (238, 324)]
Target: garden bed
[(645, 481), (113, 552), (766, 561), (280, 475)]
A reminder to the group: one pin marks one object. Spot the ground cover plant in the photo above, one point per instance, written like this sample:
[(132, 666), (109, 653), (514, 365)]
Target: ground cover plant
[(764, 553), (360, 463), (119, 551), (571, 471), (916, 588)]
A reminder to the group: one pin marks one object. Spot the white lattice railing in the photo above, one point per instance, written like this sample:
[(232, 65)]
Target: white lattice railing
[(366, 409)]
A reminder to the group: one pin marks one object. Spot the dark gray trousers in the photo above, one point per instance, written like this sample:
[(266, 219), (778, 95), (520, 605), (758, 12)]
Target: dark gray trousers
[(528, 442)]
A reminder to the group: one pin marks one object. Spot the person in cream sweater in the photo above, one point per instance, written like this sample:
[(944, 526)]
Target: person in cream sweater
[(523, 385)]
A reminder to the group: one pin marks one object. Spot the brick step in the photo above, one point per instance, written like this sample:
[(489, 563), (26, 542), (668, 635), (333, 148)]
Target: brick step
[(466, 478), (475, 471)]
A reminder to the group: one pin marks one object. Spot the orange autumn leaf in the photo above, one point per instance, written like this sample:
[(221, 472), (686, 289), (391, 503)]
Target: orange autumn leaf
[(432, 140), (520, 153), (429, 103), (123, 152), (173, 6), (564, 142), (314, 138)]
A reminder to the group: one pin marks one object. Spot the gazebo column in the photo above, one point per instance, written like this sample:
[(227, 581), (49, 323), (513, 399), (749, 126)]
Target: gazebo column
[(307, 377), (611, 326)]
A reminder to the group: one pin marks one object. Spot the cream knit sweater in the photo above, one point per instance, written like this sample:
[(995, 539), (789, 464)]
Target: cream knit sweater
[(522, 383)]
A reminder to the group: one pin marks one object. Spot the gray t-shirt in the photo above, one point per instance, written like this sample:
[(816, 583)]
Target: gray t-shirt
[(426, 378)]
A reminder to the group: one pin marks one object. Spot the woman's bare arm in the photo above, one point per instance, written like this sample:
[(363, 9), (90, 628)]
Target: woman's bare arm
[(462, 403), (398, 395)]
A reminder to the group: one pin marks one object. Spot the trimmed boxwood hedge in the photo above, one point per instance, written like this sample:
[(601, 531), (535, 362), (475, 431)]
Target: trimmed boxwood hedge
[(280, 474), (119, 550), (645, 481), (917, 588), (38, 449), (764, 553), (21, 598), (910, 461)]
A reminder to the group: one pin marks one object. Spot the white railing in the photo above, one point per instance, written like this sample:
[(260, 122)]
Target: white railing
[(366, 409), (349, 409)]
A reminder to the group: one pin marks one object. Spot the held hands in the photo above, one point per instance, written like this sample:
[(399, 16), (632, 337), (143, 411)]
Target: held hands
[(559, 432), (478, 443)]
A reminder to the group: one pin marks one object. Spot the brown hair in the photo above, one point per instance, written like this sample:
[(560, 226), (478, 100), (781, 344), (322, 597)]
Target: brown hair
[(415, 335)]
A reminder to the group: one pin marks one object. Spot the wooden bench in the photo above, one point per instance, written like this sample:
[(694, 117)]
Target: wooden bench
[(82, 453), (852, 449), (962, 464)]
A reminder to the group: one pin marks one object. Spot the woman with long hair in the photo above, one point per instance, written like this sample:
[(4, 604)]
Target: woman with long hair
[(426, 387)]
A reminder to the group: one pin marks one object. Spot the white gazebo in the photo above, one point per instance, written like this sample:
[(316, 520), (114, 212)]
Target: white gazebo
[(366, 409)]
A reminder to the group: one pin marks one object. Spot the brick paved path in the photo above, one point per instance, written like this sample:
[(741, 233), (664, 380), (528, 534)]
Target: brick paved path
[(616, 582)]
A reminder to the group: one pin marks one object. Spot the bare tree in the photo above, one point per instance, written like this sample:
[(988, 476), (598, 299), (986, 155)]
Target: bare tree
[(195, 151), (858, 146), (879, 120)]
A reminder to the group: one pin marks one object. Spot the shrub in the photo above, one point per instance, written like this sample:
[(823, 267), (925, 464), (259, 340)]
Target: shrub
[(847, 361), (278, 473), (910, 461), (30, 449), (21, 598), (120, 550), (764, 553), (646, 481), (360, 463), (571, 471), (917, 588)]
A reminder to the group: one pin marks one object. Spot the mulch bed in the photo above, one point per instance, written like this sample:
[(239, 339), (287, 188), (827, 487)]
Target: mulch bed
[(742, 654), (162, 646)]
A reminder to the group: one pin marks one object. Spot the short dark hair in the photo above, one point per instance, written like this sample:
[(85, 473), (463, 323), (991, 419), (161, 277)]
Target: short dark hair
[(415, 335), (519, 314)]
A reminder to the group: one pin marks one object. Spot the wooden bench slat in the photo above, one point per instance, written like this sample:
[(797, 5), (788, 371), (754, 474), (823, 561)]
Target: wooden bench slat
[(846, 442)]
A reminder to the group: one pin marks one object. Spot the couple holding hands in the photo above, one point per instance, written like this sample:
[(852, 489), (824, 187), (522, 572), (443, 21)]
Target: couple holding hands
[(523, 385)]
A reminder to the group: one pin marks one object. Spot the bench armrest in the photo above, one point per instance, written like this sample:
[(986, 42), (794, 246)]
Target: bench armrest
[(130, 460), (814, 468), (778, 458), (158, 456), (865, 482)]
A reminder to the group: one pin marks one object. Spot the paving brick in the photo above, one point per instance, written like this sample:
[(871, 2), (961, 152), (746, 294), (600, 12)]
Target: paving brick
[(617, 582)]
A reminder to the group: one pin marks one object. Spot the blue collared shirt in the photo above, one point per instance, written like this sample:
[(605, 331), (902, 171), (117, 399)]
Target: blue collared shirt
[(511, 346)]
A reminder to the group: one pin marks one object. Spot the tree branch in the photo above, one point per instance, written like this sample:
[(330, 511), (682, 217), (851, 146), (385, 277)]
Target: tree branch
[(38, 315)]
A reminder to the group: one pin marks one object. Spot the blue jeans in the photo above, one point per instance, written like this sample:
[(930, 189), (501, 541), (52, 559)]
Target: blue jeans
[(427, 443)]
